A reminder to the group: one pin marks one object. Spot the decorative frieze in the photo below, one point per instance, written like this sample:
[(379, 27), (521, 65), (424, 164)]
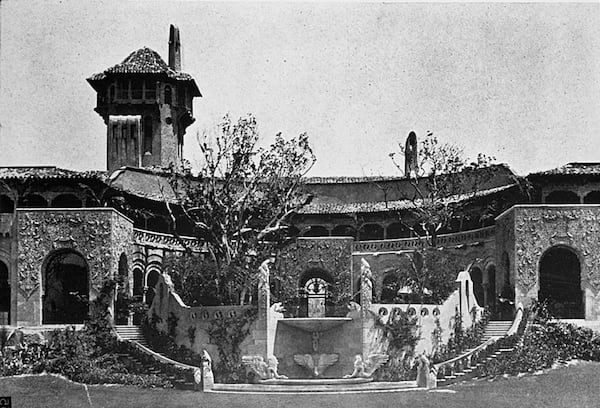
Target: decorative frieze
[(404, 244), (166, 241)]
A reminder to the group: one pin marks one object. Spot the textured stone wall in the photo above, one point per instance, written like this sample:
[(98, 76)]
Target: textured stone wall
[(539, 228), (99, 235)]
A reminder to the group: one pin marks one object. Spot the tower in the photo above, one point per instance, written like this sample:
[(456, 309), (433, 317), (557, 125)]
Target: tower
[(146, 106)]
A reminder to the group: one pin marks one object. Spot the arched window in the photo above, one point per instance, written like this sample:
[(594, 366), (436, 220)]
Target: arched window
[(66, 288), (148, 135), (397, 230), (316, 231), (137, 89), (370, 232), (66, 201), (314, 284), (562, 197), (33, 201), (477, 279), (593, 197), (168, 95), (6, 204), (343, 231), (151, 281), (158, 224), (4, 294)]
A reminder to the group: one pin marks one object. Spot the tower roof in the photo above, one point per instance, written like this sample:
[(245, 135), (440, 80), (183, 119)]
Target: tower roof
[(144, 61)]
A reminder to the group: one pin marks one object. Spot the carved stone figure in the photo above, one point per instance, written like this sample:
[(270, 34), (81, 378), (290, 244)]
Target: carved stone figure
[(272, 364), (257, 369), (425, 378), (316, 364), (365, 369), (208, 379)]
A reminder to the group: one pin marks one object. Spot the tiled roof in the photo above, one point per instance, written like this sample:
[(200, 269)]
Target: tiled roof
[(143, 61), (47, 172), (349, 180), (572, 169), (395, 205)]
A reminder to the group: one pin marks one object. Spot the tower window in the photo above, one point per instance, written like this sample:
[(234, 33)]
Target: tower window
[(150, 90), (137, 89), (168, 95), (148, 135), (123, 90), (111, 93)]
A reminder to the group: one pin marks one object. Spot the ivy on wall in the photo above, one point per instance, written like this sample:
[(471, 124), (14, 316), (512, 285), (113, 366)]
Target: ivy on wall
[(227, 334)]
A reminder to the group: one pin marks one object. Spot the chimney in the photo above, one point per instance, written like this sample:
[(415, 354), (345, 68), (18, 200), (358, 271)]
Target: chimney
[(174, 49), (410, 156)]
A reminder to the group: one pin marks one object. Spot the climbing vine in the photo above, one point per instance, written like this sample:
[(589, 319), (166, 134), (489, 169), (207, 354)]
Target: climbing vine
[(401, 332), (227, 334)]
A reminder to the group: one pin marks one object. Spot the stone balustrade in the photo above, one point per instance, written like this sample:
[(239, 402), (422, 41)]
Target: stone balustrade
[(407, 244), (166, 241)]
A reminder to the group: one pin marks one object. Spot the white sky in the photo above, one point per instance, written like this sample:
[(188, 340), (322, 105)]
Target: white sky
[(517, 81)]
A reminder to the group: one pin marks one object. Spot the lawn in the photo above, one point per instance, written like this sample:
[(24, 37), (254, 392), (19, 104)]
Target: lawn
[(577, 385)]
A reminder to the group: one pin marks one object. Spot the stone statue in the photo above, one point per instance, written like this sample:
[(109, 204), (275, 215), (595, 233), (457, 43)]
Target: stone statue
[(366, 369), (208, 379), (257, 369), (425, 375), (316, 363), (366, 285), (263, 275), (272, 364)]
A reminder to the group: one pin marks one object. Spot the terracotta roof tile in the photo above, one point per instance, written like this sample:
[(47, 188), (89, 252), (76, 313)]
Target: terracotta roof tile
[(571, 169), (48, 172), (143, 61)]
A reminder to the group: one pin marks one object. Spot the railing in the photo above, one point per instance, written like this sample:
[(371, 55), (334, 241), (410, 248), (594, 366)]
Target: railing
[(469, 360), (414, 243), (165, 241)]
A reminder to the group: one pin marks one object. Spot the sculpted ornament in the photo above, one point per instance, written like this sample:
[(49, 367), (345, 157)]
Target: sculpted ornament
[(366, 369)]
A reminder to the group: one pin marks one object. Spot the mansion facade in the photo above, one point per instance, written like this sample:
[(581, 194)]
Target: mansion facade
[(63, 232)]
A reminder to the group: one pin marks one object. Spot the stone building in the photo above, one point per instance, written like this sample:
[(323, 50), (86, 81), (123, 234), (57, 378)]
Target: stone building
[(62, 232)]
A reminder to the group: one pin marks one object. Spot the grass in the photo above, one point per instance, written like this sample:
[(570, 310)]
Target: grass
[(572, 386)]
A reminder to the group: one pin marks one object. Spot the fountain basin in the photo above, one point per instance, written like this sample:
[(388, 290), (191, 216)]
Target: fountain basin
[(315, 324), (315, 381)]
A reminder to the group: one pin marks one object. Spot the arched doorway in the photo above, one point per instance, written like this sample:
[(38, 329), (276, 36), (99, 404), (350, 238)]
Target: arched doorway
[(151, 280), (478, 291), (4, 294), (560, 283), (122, 301), (66, 290)]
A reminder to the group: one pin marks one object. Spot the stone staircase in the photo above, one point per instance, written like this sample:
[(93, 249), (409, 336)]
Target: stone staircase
[(132, 333), (147, 360), (496, 328), (468, 364)]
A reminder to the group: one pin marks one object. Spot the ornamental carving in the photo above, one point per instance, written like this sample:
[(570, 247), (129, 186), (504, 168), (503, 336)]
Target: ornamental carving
[(165, 241), (403, 244), (100, 236), (538, 229), (333, 255)]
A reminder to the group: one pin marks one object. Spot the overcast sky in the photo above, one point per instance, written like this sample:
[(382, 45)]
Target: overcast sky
[(520, 82)]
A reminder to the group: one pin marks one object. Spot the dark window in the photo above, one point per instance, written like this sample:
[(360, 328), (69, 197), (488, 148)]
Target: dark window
[(34, 201), (562, 197), (66, 201), (148, 134), (150, 90), (593, 197), (370, 232), (4, 294), (344, 231), (316, 231), (111, 93), (137, 89), (397, 230), (6, 204), (168, 95), (123, 90)]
